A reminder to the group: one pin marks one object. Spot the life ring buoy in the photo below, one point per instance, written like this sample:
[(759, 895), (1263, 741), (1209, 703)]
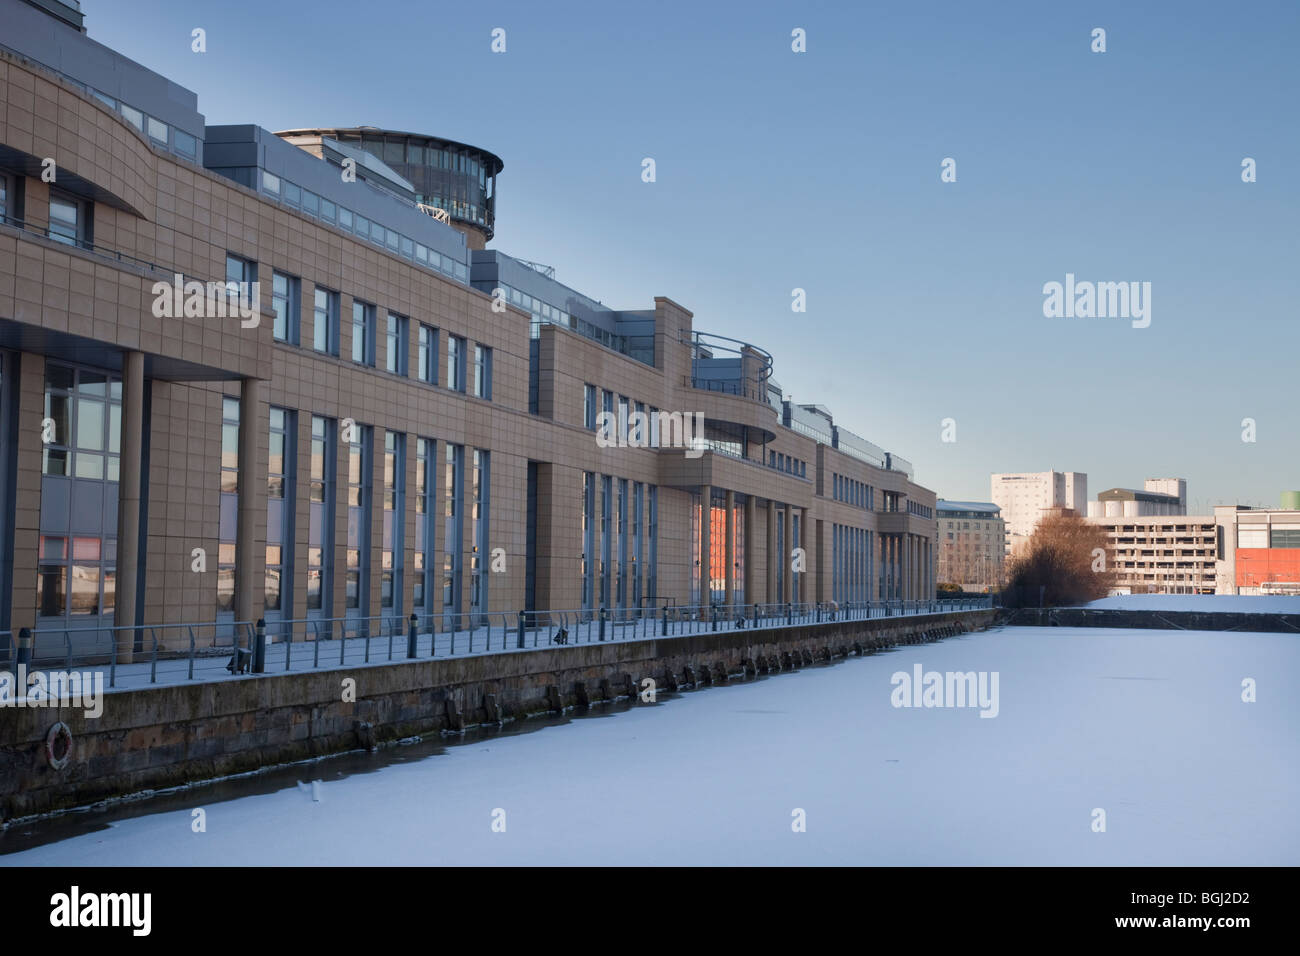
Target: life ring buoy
[(58, 746)]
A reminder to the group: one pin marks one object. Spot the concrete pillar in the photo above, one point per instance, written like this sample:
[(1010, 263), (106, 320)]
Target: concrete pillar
[(750, 509), (785, 556), (130, 487), (706, 543), (250, 546), (809, 544), (772, 556), (729, 546)]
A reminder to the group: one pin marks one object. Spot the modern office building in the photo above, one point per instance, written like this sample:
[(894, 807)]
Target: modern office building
[(1159, 496), (1258, 549), (1023, 497), (246, 374), (1160, 553), (1236, 550), (972, 544)]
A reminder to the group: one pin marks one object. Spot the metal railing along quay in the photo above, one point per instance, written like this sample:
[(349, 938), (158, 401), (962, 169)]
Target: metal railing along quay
[(176, 653)]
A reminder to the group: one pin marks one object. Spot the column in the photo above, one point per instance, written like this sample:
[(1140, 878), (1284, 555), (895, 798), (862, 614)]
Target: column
[(772, 556), (729, 548), (808, 542), (907, 567), (785, 556), (250, 546), (706, 544), (750, 596), (130, 475)]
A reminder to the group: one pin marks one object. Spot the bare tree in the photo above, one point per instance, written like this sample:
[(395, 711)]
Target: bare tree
[(1063, 563)]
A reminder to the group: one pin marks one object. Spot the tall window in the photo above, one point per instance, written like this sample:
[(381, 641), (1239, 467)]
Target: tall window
[(395, 345), (638, 543), (479, 515), (363, 333), (428, 357), (588, 537), (482, 371), (652, 533), (325, 325), (453, 463), (280, 476), (6, 199), (394, 544), (284, 301), (357, 581), (320, 532), (606, 545), (620, 561), (69, 219), (589, 406), (456, 363), (229, 520), (78, 557), (426, 463)]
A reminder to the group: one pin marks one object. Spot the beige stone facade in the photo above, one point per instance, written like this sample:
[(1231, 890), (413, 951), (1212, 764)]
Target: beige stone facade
[(154, 214)]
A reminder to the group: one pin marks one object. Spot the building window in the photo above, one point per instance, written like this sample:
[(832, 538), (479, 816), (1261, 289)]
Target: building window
[(357, 581), (589, 406), (456, 363), (428, 355), (229, 521), (606, 544), (240, 276), (395, 345), (453, 479), (482, 371), (77, 558), (68, 220), (652, 532), (6, 198), (320, 531), (363, 333), (325, 324), (392, 557), (426, 464), (280, 488), (588, 537), (284, 302), (479, 498)]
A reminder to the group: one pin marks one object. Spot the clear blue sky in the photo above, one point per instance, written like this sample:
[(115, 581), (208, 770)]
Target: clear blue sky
[(821, 171)]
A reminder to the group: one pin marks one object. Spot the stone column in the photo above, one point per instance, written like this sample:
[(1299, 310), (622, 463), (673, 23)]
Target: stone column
[(250, 546), (706, 544), (785, 555), (129, 492), (729, 546), (772, 556), (750, 596), (808, 542)]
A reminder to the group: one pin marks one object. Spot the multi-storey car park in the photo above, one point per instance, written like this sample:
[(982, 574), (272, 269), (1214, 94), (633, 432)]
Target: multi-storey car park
[(403, 422)]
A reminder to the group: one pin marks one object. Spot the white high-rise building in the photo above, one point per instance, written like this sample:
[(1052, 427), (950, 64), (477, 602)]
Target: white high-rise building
[(1024, 496)]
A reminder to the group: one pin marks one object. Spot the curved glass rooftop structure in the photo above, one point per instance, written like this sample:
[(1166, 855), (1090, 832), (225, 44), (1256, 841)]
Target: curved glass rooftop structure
[(446, 175)]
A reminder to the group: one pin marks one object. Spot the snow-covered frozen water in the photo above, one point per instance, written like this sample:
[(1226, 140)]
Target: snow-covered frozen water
[(1212, 603), (1149, 726)]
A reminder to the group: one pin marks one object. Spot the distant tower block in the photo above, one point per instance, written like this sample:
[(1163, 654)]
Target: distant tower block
[(1291, 500)]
